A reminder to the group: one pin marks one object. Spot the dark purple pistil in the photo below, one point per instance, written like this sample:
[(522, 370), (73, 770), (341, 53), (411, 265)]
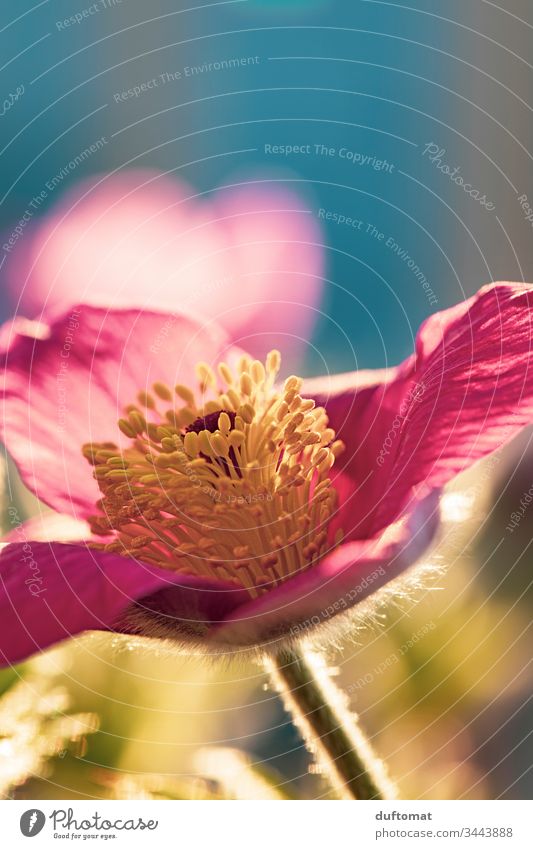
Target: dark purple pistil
[(209, 422)]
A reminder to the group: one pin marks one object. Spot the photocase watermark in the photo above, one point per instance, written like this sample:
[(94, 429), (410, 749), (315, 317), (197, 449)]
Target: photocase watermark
[(340, 219), (34, 581), (62, 375), (32, 822), (354, 157), (231, 498), (343, 603), (167, 77), (526, 208), (88, 12), (414, 396), (65, 825), (518, 514), (391, 659), (402, 254), (436, 155), (39, 199), (7, 104)]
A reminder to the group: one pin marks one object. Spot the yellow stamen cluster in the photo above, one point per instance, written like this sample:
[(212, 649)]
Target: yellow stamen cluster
[(234, 487)]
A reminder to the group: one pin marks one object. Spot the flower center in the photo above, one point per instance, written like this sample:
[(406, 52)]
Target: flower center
[(229, 482)]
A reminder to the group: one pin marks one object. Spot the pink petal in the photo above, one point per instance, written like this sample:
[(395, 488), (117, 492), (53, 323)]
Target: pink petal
[(68, 385), (473, 376), (52, 591), (360, 406), (342, 579), (468, 390), (142, 239)]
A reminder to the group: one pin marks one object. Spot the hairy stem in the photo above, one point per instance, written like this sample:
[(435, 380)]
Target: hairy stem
[(331, 731)]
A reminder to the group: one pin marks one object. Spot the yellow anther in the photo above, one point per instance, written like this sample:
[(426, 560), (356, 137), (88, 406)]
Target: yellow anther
[(220, 444), (205, 543), (146, 400), (137, 421), (103, 456), (292, 438), (234, 398), (225, 373), (206, 376), (258, 372), (246, 384), (294, 422), (236, 438), (162, 391), (326, 464), (283, 409), (116, 461), (247, 413), (204, 441), (152, 431), (163, 461), (185, 394), (224, 423), (308, 421), (117, 474), (320, 456), (211, 407), (273, 363), (149, 479), (221, 502), (126, 428), (185, 417), (323, 495), (244, 364), (328, 435), (337, 448), (295, 449), (292, 384)]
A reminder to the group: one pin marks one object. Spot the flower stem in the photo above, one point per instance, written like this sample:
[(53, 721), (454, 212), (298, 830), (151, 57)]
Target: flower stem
[(330, 730)]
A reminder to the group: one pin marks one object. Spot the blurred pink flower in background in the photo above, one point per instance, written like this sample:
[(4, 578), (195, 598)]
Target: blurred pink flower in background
[(248, 256)]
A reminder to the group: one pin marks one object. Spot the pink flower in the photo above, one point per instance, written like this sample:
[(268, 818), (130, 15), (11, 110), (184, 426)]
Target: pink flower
[(234, 518), (249, 257)]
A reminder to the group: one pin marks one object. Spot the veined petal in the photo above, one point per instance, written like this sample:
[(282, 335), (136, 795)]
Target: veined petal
[(470, 392), (67, 383), (466, 391)]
